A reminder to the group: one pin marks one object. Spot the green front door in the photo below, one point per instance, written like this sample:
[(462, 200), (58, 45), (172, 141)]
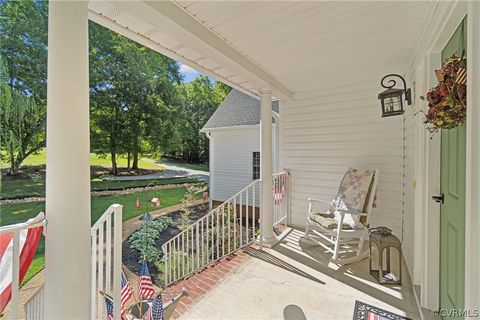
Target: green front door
[(452, 212)]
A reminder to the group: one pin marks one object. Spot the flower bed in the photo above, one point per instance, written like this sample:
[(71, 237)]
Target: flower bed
[(131, 257)]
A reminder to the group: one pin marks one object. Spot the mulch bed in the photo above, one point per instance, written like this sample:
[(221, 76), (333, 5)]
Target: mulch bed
[(131, 258)]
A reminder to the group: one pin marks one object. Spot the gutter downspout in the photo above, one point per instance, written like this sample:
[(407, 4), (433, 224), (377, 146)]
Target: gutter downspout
[(276, 161), (210, 165)]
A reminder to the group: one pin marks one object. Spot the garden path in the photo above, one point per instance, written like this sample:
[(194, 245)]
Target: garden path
[(170, 171)]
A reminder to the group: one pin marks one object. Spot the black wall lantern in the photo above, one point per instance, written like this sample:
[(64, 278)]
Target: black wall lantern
[(392, 98)]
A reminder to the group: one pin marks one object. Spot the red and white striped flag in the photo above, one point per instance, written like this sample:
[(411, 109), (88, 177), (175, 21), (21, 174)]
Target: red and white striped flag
[(29, 239), (126, 292), (145, 285)]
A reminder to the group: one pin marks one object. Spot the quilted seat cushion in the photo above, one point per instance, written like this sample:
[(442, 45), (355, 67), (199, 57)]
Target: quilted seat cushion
[(327, 220)]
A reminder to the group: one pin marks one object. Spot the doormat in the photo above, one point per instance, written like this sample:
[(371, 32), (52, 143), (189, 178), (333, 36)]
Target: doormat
[(365, 311)]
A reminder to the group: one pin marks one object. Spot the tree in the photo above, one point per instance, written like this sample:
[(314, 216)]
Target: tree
[(18, 116), (23, 38), (201, 97), (133, 96)]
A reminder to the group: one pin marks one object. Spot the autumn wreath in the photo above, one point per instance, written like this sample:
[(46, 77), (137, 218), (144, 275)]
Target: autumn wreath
[(447, 101)]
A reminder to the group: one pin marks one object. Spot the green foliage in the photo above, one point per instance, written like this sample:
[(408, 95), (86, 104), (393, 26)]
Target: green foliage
[(143, 240), (138, 103), (19, 119), (200, 98), (187, 204), (175, 259), (133, 96), (23, 38)]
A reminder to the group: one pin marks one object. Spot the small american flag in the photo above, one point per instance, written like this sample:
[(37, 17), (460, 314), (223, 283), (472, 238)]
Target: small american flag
[(155, 312), (145, 285), (126, 292), (109, 305)]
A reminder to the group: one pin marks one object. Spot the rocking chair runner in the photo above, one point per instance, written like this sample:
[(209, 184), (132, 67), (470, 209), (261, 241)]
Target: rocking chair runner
[(346, 218)]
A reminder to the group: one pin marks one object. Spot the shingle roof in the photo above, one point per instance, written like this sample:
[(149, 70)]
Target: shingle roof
[(238, 109)]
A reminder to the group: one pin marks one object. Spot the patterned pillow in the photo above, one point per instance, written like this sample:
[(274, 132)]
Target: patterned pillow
[(352, 194)]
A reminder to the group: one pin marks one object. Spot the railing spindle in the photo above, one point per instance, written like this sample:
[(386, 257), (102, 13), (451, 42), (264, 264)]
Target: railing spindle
[(15, 273), (93, 293), (108, 257), (254, 208), (100, 269)]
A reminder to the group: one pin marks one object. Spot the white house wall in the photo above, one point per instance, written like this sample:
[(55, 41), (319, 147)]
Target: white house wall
[(325, 132), (231, 161)]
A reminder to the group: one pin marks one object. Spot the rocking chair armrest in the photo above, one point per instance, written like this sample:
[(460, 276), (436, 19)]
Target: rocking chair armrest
[(318, 200), (357, 213)]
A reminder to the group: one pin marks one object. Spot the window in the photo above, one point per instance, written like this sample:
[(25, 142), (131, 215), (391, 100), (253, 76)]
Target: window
[(256, 166)]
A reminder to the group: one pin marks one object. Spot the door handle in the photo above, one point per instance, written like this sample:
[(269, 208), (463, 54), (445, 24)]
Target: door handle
[(439, 199)]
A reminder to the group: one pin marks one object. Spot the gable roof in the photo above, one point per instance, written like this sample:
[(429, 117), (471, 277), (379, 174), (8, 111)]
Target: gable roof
[(238, 109)]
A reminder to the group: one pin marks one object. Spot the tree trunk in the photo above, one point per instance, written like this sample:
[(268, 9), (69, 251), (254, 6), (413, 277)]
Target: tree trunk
[(135, 161), (12, 164), (114, 163)]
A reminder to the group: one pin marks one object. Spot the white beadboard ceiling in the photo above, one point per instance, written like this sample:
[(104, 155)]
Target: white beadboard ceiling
[(298, 46)]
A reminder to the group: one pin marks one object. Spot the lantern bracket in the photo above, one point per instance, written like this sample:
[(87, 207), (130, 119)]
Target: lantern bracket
[(392, 83)]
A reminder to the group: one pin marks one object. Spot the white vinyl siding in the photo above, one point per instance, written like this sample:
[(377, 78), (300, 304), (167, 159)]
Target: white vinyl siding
[(325, 132), (232, 160)]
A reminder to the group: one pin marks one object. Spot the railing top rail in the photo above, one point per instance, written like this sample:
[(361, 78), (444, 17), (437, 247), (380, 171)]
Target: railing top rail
[(280, 174), (104, 216), (236, 194), (38, 221)]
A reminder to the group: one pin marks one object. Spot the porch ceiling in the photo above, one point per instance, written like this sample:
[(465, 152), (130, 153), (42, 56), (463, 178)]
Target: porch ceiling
[(291, 46)]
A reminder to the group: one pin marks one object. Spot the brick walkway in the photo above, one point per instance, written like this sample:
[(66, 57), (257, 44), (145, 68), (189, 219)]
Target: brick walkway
[(200, 284)]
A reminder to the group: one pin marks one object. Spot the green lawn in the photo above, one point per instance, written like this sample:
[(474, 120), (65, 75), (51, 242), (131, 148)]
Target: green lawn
[(15, 213), (40, 158), (11, 189)]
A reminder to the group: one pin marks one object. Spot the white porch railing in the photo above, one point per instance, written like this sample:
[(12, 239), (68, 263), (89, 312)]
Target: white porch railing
[(17, 230), (34, 306), (281, 197), (106, 253), (228, 227), (106, 236)]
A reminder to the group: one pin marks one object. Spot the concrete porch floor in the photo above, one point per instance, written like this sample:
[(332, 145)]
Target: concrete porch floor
[(297, 272)]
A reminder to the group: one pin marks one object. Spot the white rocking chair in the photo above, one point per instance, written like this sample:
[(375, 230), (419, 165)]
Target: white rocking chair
[(345, 219)]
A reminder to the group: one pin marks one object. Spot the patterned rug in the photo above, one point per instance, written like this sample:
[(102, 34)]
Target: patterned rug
[(365, 311)]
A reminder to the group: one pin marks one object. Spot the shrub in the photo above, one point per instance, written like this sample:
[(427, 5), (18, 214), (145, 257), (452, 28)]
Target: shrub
[(187, 203)]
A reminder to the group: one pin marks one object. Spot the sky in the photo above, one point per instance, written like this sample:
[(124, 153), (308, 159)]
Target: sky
[(189, 74)]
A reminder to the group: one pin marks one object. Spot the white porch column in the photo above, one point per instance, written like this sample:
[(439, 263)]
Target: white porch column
[(67, 256), (266, 211)]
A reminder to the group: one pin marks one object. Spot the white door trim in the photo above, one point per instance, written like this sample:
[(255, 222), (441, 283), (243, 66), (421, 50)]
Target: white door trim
[(472, 200), (430, 162)]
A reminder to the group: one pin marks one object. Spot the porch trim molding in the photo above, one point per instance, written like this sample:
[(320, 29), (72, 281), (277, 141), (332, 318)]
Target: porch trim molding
[(472, 208), (168, 15)]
